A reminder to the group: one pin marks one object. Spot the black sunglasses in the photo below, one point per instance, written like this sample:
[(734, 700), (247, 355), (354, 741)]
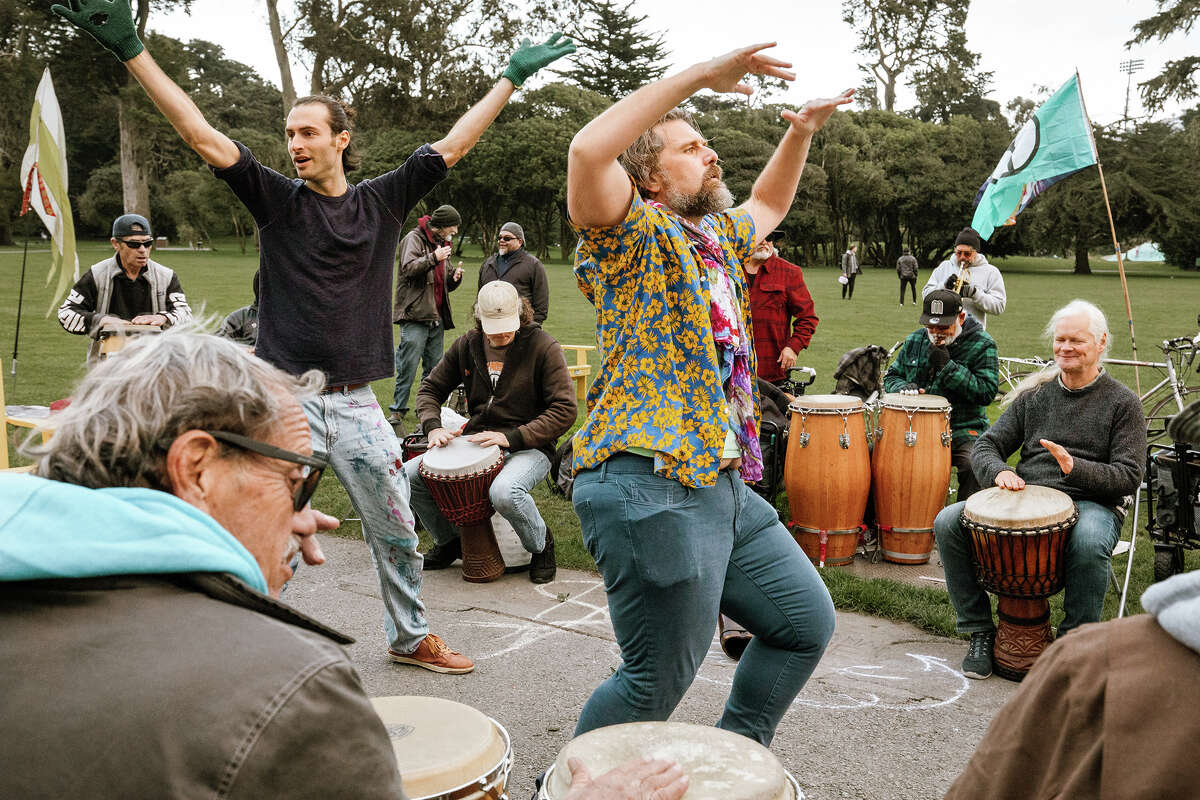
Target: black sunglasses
[(508, 238), (138, 244), (313, 467)]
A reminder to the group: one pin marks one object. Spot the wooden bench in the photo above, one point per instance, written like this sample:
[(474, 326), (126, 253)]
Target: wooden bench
[(581, 370)]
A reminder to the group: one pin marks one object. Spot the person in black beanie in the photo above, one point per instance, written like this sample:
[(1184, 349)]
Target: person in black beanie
[(968, 273)]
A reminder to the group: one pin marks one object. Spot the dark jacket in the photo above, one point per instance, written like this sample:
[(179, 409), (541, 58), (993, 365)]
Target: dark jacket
[(533, 403), (241, 326), (526, 273), (906, 267), (416, 280), (969, 379)]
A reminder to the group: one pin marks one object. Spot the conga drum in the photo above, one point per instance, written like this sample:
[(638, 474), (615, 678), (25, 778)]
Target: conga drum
[(827, 475), (910, 473), (1017, 543), (458, 475), (720, 764), (446, 750), (113, 336)]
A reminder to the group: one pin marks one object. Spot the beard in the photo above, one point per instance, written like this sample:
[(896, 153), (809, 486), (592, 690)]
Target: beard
[(709, 200), (938, 339)]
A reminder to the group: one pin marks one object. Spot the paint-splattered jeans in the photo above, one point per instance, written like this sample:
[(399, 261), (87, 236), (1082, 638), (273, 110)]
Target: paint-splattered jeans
[(349, 429)]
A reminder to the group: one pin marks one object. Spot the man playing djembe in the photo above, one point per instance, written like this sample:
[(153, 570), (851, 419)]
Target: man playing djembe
[(1080, 431)]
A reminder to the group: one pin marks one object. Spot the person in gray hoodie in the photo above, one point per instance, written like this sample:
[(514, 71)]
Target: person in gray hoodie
[(969, 273)]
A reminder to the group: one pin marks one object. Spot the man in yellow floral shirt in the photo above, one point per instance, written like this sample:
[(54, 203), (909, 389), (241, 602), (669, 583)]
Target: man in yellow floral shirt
[(672, 429)]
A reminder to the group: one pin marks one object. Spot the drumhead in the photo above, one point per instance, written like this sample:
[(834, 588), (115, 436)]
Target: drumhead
[(439, 744), (826, 402), (918, 402), (459, 457), (718, 763), (1032, 507)]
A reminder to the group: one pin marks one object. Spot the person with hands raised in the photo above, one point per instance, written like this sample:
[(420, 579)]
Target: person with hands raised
[(671, 435)]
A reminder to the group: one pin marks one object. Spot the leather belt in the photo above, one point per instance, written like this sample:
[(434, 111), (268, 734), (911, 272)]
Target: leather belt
[(349, 387)]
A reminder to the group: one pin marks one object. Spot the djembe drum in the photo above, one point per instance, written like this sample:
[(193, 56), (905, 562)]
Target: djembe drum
[(446, 750), (720, 764), (827, 475), (1017, 543), (458, 475), (910, 473), (115, 335)]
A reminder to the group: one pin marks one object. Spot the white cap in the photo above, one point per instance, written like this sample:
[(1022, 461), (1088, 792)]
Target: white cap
[(498, 307)]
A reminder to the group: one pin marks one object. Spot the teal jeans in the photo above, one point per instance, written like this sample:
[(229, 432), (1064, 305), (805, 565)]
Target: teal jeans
[(671, 557)]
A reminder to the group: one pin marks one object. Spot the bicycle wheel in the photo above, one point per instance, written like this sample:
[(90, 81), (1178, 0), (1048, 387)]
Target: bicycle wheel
[(1157, 416)]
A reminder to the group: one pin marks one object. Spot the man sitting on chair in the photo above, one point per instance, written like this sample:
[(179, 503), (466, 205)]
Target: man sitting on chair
[(520, 397), (1080, 431)]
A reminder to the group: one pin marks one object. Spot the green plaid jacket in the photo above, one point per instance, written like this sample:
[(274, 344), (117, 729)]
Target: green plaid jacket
[(969, 380)]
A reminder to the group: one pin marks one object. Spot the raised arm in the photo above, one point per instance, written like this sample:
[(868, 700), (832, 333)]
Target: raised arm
[(110, 22), (528, 59), (598, 193)]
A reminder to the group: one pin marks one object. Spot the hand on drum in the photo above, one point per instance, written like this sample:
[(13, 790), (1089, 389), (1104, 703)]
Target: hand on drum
[(149, 319), (1007, 479), (1065, 462), (640, 779), (485, 438), (440, 436)]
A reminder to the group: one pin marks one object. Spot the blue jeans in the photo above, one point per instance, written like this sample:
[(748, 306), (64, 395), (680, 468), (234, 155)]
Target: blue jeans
[(509, 493), (671, 557), (419, 341), (1088, 550), (349, 428)]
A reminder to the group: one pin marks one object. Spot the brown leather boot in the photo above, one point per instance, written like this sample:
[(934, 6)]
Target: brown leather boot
[(734, 637)]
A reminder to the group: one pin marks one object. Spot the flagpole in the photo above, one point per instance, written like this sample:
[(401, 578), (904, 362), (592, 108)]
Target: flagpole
[(20, 300), (1116, 245)]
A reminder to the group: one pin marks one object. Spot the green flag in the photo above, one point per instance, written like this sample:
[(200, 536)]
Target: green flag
[(1054, 143)]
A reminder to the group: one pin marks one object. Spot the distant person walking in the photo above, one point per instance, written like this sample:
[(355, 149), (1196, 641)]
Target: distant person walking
[(906, 269), (850, 270)]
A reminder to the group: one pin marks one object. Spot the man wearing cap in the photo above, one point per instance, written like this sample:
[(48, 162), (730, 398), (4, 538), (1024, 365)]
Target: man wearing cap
[(422, 308), (968, 273), (778, 296), (129, 287), (516, 265), (954, 357), (520, 398)]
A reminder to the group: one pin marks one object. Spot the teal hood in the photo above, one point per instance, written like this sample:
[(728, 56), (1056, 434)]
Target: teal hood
[(50, 529)]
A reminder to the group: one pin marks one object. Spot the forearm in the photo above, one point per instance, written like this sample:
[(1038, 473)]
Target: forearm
[(217, 149), (471, 125), (773, 192)]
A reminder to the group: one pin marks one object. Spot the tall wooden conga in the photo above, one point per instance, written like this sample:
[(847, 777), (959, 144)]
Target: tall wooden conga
[(827, 475), (910, 473), (458, 475), (1017, 544)]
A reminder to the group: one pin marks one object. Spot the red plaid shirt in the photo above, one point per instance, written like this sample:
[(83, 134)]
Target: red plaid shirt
[(777, 295)]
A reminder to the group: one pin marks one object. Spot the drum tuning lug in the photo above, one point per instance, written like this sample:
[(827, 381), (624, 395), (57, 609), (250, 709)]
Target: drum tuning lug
[(878, 434), (910, 439), (844, 441), (946, 439), (804, 439)]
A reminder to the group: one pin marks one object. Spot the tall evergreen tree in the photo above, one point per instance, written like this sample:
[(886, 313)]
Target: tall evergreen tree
[(615, 56)]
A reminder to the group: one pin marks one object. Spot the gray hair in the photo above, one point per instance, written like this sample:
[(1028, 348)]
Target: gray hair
[(128, 409), (1097, 327), (640, 159)]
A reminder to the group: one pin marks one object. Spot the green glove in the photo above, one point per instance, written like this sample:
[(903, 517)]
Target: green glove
[(110, 22), (529, 58)]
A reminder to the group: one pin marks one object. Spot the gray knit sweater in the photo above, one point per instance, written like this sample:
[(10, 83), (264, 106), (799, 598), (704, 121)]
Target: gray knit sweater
[(1101, 425)]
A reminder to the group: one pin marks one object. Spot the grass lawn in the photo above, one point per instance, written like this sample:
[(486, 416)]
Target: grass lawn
[(1165, 303)]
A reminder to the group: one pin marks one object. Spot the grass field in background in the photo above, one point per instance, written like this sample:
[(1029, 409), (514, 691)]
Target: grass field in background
[(1165, 303)]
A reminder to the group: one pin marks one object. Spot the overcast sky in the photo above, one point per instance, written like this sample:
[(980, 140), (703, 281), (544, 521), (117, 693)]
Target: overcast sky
[(1023, 42)]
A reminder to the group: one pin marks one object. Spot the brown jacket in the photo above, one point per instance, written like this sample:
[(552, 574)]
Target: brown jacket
[(533, 403), (179, 686), (1104, 715), (416, 295)]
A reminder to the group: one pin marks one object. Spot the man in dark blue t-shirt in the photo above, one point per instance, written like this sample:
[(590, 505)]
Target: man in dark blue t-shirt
[(327, 248)]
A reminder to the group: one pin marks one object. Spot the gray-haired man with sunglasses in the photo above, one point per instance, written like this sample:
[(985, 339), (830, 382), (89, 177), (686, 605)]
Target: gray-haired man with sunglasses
[(127, 287)]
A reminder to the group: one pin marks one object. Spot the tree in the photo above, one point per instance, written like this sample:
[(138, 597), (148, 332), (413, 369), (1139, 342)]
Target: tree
[(899, 36), (615, 57), (278, 41), (1177, 78)]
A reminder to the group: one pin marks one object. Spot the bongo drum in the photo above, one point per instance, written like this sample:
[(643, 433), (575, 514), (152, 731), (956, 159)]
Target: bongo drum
[(446, 750), (720, 764), (458, 475), (827, 475), (114, 335), (910, 473), (1017, 543)]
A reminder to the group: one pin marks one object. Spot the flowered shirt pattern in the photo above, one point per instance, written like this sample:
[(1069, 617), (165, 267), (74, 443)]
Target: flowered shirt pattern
[(659, 382)]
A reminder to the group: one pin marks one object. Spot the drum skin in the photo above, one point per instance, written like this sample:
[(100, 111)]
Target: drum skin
[(444, 748), (910, 482), (827, 484)]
